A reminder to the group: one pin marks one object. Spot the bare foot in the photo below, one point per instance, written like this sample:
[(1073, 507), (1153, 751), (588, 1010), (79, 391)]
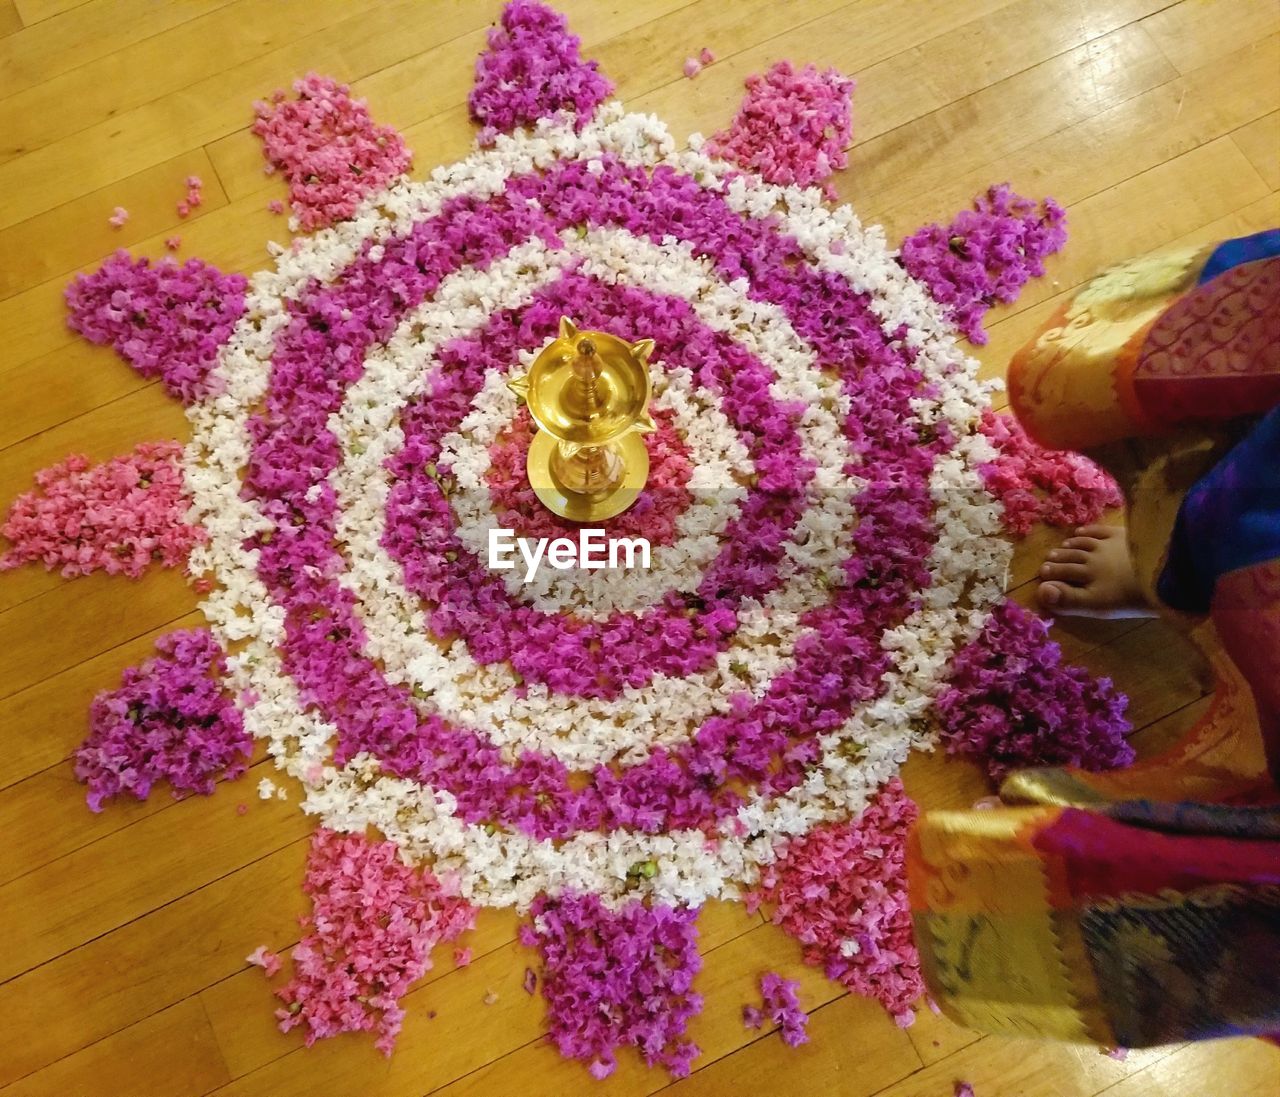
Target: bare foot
[(1091, 575)]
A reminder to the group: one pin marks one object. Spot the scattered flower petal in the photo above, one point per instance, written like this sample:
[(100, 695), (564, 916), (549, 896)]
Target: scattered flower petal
[(612, 978), (782, 1007), (119, 517), (840, 891), (330, 150), (264, 958)]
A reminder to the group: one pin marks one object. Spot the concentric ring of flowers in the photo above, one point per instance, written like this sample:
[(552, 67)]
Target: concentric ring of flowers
[(773, 669)]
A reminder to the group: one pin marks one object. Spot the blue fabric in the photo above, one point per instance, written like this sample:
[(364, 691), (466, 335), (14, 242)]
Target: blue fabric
[(1230, 519), (1243, 249)]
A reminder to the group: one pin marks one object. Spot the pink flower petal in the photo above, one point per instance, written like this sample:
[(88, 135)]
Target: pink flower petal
[(793, 126), (369, 937)]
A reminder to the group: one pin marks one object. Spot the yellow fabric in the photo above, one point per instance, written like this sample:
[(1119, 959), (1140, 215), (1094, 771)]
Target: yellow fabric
[(995, 955)]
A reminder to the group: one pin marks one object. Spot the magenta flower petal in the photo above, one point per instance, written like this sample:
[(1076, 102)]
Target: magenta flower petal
[(165, 320), (532, 69), (1011, 702), (170, 720), (781, 1005), (985, 256), (613, 978)]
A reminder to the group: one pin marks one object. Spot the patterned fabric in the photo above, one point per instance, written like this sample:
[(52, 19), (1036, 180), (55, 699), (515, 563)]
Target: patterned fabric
[(1214, 354), (1142, 906), (1077, 925)]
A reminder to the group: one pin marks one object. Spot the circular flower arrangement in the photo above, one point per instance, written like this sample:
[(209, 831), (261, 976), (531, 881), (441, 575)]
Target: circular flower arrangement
[(827, 551)]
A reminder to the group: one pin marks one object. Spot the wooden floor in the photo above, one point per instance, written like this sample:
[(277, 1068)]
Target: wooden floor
[(123, 934)]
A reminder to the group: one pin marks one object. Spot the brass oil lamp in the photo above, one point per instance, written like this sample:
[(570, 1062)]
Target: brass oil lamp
[(589, 393)]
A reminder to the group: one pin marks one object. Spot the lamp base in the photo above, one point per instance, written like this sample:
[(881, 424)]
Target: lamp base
[(593, 507)]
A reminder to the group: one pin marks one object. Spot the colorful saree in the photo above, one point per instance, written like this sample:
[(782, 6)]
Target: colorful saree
[(1142, 906)]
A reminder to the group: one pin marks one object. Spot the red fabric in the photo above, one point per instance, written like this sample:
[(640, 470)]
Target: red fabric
[(1214, 354), (1103, 857)]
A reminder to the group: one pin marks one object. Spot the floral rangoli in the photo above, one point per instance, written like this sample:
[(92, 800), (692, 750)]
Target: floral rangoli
[(605, 750)]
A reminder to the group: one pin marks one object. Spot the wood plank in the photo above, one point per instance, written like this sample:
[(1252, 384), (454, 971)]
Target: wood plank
[(145, 414), (854, 1049), (935, 780), (1198, 31), (61, 35), (215, 106), (33, 11), (1241, 1068), (78, 233), (176, 1045), (136, 870), (1163, 734), (10, 20), (1156, 667), (1028, 1068), (979, 55), (89, 376), (1098, 152), (852, 39), (1011, 114), (47, 816), (113, 981), (1260, 142), (935, 1036), (220, 104), (107, 612), (43, 724), (160, 64)]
